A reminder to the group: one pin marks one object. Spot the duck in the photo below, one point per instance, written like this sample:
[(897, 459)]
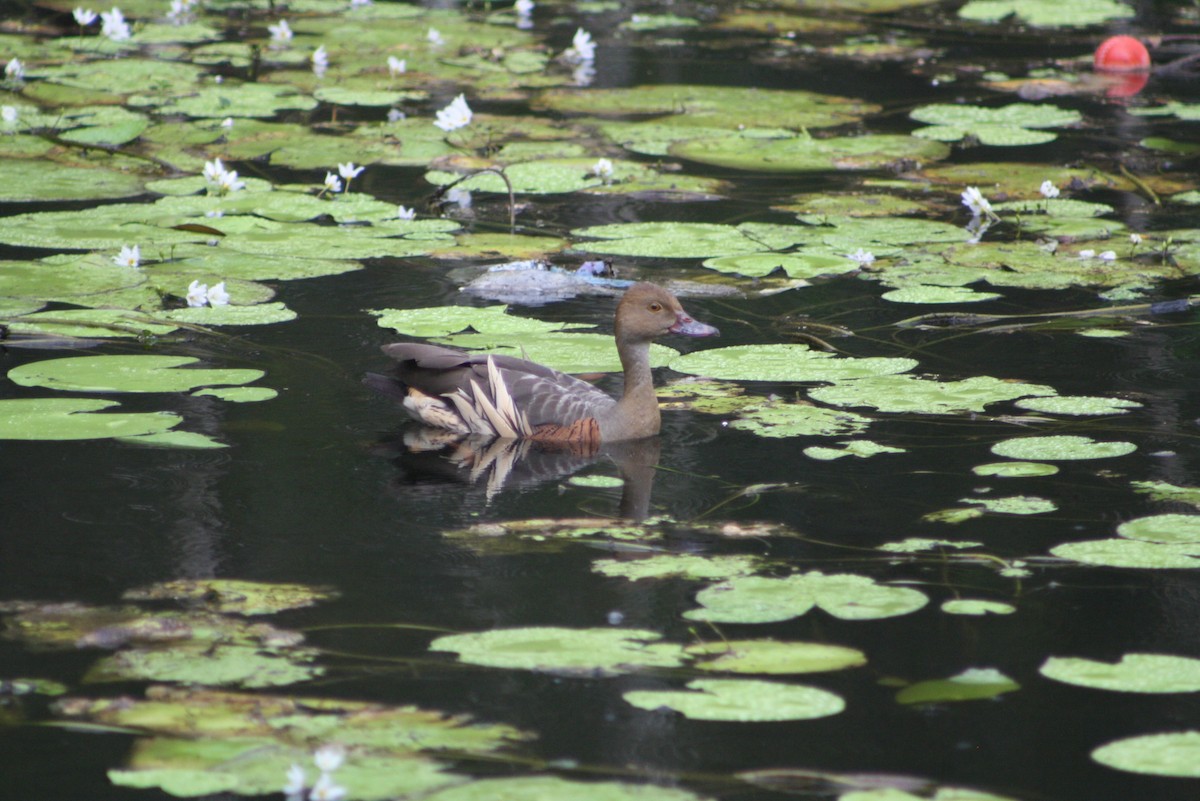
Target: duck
[(492, 395)]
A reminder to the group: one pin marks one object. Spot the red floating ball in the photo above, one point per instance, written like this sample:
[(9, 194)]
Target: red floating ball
[(1122, 54)]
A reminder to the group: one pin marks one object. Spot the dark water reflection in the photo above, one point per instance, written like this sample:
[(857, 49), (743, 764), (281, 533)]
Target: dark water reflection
[(309, 492)]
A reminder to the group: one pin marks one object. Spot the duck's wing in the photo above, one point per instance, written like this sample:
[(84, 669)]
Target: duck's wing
[(538, 394)]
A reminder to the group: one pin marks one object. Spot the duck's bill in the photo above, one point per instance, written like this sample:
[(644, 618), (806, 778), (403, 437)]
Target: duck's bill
[(693, 328)]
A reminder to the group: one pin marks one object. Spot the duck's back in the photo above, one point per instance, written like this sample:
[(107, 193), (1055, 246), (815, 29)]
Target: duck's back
[(545, 397)]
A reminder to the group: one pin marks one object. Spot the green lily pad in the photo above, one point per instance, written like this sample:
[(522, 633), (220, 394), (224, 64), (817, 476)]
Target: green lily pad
[(674, 240), (559, 650), (258, 314), (970, 685), (972, 606), (859, 448), (757, 599), (782, 419), (233, 595), (175, 439), (727, 107), (1177, 528), (1165, 491), (784, 362), (1078, 405), (1007, 126), (1116, 552), (553, 788), (230, 99), (1061, 447), (774, 657), (209, 664), (72, 418), (678, 565), (910, 393), (125, 374), (794, 265), (1074, 14), (1015, 469), (24, 180), (1017, 505), (807, 154), (1133, 673), (741, 700), (1165, 754)]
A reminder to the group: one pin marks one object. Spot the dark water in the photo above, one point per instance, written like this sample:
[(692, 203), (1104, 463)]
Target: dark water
[(309, 492)]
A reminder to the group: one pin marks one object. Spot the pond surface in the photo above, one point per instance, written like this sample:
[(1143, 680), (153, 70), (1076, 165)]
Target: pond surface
[(937, 667)]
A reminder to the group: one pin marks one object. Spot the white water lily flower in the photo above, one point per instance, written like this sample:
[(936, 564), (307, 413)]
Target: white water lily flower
[(326, 790), (129, 256), (361, 3), (405, 213), (1107, 255), (1087, 253), (864, 258), (395, 115), (84, 16), (320, 60), (974, 200), (332, 182), (197, 294), (180, 11), (14, 69), (227, 123), (9, 114), (329, 758), (1135, 239), (603, 168), (523, 7), (454, 116), (114, 25), (1048, 190), (281, 33), (396, 66), (213, 170), (296, 780), (434, 37), (217, 296), (460, 196), (349, 171), (582, 47)]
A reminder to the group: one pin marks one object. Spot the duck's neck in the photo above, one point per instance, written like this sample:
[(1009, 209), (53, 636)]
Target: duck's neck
[(638, 406)]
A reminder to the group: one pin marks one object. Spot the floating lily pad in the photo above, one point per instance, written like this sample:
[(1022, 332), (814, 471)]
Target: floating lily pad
[(1078, 405), (239, 394), (233, 595), (794, 265), (712, 105), (781, 419), (808, 154), (229, 99), (125, 374), (971, 606), (1165, 491), (1007, 126), (774, 657), (678, 565), (1133, 673), (1016, 505), (1166, 754), (1015, 469), (175, 439), (560, 650), (553, 788), (23, 180), (1177, 528), (757, 599), (970, 685), (859, 448), (909, 393), (741, 700), (72, 418), (203, 662), (783, 362), (1061, 447), (1116, 552), (675, 240), (1074, 14)]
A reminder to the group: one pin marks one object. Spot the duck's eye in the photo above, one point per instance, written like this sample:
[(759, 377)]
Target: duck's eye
[(656, 307)]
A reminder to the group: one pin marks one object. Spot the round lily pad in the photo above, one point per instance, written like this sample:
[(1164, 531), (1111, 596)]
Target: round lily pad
[(1078, 405), (561, 650), (125, 374), (1166, 754), (1060, 448), (784, 362), (806, 154), (741, 700), (1162, 528), (1015, 469), (775, 657), (1133, 673), (23, 180), (72, 418)]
